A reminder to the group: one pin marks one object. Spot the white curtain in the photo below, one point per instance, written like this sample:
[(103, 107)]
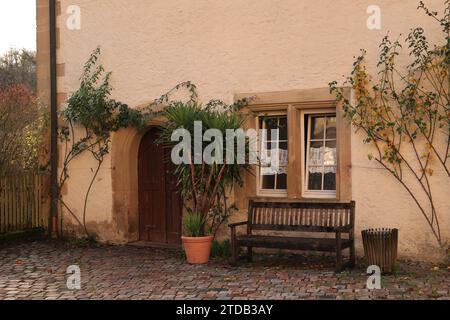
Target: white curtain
[(325, 156)]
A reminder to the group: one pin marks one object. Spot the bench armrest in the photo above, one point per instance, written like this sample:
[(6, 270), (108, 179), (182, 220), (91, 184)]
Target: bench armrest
[(237, 224)]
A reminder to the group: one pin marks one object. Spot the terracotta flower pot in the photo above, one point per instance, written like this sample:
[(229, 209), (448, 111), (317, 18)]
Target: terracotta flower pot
[(198, 249)]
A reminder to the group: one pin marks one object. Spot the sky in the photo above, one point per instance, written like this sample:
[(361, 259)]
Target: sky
[(17, 24)]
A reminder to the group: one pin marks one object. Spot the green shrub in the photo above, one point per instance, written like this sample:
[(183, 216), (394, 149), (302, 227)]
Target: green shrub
[(221, 250), (193, 223)]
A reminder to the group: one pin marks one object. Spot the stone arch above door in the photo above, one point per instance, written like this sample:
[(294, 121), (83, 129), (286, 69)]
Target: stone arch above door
[(124, 155)]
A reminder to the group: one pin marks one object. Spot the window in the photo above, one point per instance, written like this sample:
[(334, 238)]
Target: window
[(273, 143), (315, 136), (320, 155)]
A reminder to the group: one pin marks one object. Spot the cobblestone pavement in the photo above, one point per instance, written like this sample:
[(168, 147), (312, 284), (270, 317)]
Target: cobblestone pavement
[(37, 270)]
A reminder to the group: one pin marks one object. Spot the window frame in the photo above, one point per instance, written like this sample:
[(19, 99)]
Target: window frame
[(293, 102), (280, 193), (315, 194)]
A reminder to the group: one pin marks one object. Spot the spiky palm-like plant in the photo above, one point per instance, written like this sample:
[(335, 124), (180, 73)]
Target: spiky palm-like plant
[(204, 185)]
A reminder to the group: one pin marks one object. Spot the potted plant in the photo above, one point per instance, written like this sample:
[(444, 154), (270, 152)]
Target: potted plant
[(203, 183), (196, 243)]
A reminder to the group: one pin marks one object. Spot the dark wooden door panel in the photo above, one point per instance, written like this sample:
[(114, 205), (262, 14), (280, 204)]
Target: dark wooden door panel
[(159, 200), (151, 195), (173, 202)]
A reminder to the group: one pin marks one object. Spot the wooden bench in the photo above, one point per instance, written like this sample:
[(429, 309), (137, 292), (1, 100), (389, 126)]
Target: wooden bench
[(288, 217)]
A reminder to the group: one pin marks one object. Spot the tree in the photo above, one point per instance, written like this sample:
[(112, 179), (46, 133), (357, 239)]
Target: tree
[(22, 122), (405, 115), (18, 67), (204, 184)]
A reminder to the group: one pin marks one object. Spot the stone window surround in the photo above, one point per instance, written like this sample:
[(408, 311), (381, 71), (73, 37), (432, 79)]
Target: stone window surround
[(294, 103)]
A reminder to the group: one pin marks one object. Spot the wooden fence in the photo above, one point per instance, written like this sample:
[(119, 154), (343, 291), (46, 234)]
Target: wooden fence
[(21, 202)]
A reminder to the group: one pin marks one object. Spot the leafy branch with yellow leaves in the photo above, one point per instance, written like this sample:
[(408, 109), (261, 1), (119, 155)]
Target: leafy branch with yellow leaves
[(405, 114)]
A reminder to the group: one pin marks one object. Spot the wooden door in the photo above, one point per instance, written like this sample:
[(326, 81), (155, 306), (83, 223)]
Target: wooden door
[(174, 204), (159, 200)]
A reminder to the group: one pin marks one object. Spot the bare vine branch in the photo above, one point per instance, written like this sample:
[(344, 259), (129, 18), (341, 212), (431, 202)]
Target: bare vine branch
[(406, 114)]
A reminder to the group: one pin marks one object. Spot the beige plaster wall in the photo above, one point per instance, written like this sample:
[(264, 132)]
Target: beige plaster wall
[(229, 47)]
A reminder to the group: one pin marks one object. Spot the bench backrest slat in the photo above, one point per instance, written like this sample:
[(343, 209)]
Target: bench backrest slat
[(301, 216)]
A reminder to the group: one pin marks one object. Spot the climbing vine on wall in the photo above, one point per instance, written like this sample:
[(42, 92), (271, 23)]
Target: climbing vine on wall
[(91, 116), (406, 114)]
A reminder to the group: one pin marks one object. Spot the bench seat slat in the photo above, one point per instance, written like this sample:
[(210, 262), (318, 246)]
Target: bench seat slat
[(300, 228), (295, 243)]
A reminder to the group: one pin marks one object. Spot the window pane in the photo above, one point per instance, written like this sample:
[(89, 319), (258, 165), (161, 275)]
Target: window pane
[(264, 155), (281, 145), (322, 156), (315, 178), (331, 128), (283, 154), (282, 181), (273, 178), (317, 128), (330, 179), (268, 123), (283, 134), (268, 182), (274, 123), (316, 153), (329, 157)]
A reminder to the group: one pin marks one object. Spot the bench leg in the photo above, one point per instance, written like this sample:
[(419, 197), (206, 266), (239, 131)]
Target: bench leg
[(338, 252), (233, 256), (249, 254), (338, 261), (352, 255), (234, 248)]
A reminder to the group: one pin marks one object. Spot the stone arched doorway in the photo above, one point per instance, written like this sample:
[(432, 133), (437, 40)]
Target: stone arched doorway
[(125, 150), (160, 206)]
